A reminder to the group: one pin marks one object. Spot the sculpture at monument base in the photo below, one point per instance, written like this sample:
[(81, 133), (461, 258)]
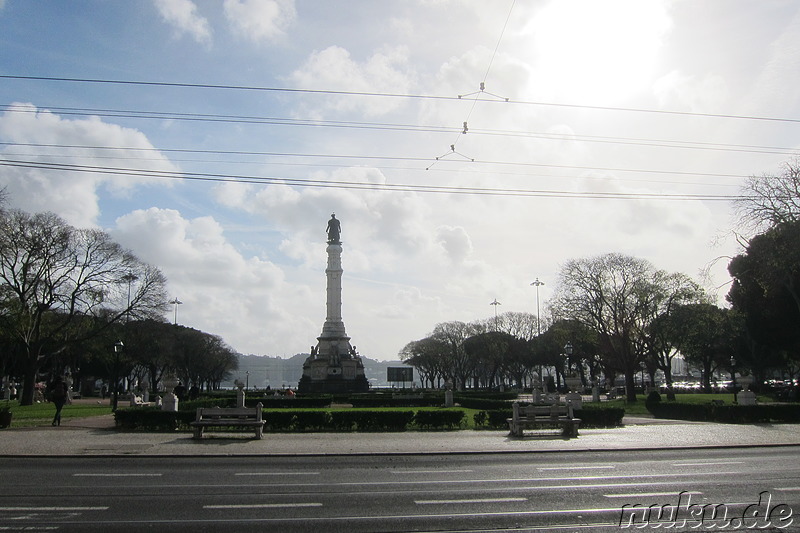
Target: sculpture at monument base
[(334, 365)]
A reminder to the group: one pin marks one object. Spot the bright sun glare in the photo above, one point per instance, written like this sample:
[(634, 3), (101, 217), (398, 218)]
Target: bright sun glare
[(592, 52)]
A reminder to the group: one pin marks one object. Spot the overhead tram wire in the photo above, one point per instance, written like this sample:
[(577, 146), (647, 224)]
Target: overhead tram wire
[(277, 121), (393, 95), (393, 158), (397, 168), (465, 128), (298, 182)]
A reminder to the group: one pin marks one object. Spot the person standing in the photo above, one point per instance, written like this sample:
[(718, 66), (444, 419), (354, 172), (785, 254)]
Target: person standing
[(58, 395)]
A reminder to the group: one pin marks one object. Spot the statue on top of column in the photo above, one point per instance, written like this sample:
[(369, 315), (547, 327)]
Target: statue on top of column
[(334, 230)]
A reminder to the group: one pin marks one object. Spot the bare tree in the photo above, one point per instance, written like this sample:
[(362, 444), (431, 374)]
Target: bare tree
[(771, 199), (60, 285), (611, 294)]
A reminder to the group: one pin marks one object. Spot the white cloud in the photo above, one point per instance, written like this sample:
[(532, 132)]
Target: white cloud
[(247, 300), (334, 69), (260, 20), (677, 91), (183, 17), (43, 138)]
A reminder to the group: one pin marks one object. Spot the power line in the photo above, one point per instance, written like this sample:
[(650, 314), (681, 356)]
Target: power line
[(393, 95), (442, 189), (632, 141), (387, 158)]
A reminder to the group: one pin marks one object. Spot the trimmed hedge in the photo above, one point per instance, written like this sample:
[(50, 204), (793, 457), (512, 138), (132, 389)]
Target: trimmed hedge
[(269, 402), (152, 419), (591, 417), (729, 414), (486, 404), (387, 401), (447, 419)]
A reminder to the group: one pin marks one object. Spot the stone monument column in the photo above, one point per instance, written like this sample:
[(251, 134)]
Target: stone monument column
[(334, 364), (334, 327)]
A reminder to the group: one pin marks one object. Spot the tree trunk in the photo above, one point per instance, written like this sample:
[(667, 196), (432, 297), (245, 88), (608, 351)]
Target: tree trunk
[(630, 385), (670, 390), (29, 385)]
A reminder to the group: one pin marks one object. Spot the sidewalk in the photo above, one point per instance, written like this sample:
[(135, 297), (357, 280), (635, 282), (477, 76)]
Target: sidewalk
[(95, 436)]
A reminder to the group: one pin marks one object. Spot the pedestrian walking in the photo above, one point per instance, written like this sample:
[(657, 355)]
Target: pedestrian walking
[(58, 395)]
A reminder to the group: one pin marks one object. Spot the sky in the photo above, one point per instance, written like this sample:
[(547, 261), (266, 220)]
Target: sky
[(468, 147)]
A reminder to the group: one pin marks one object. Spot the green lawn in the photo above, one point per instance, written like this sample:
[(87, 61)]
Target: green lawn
[(638, 408), (41, 414)]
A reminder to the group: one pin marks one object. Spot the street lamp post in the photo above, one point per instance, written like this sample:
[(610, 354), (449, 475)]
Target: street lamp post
[(176, 303), (733, 377), (495, 303), (118, 346), (537, 284), (247, 380)]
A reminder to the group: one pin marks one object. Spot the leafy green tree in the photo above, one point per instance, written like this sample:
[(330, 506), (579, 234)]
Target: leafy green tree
[(618, 296), (459, 364), (766, 286), (427, 356), (490, 353)]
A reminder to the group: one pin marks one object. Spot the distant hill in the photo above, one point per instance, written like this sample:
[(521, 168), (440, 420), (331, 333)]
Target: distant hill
[(279, 373)]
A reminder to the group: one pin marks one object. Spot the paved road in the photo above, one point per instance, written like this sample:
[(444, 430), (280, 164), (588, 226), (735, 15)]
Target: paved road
[(589, 491)]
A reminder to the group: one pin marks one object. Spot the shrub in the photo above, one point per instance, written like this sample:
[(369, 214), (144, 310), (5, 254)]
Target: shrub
[(593, 416), (282, 402), (480, 418), (384, 420), (486, 404), (152, 419), (730, 414), (279, 420), (496, 418), (387, 401), (344, 420), (443, 419), (312, 420)]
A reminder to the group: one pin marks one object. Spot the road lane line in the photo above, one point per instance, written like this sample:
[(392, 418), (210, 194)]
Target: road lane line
[(710, 463), (263, 506), (598, 467), (787, 489), (480, 500), (651, 494), (432, 471), (117, 475), (276, 474), (57, 509)]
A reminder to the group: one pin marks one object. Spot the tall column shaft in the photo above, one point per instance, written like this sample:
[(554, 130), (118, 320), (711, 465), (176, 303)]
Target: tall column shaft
[(334, 327)]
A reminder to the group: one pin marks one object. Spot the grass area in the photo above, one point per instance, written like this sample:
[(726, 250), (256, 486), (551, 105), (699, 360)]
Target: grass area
[(41, 414), (639, 408)]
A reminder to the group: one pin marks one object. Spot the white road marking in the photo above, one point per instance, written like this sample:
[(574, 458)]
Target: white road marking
[(276, 474), (650, 494), (432, 471), (117, 475), (597, 467), (262, 506), (716, 463), (481, 500), (788, 489), (57, 509)]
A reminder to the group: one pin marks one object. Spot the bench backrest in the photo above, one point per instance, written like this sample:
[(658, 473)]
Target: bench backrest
[(543, 410), (230, 412)]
